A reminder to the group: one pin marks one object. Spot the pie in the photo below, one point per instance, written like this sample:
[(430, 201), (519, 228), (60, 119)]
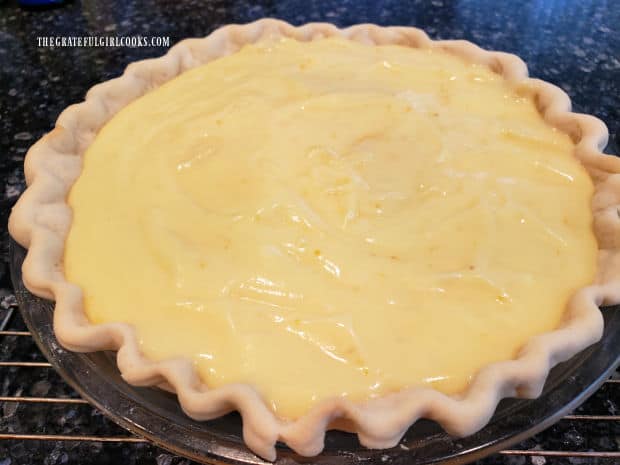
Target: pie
[(325, 228)]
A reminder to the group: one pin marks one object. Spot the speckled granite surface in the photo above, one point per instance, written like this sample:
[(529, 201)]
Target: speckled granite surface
[(572, 43)]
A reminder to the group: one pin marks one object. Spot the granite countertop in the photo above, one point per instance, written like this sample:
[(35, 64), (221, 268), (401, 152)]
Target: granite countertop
[(572, 43)]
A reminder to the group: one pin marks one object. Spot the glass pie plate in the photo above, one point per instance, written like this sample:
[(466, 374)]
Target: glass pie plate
[(156, 415)]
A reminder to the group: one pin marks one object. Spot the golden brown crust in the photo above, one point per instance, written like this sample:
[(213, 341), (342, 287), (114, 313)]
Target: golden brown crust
[(41, 219)]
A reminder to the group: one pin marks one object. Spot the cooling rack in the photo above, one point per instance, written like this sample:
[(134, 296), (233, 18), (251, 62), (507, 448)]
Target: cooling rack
[(10, 318)]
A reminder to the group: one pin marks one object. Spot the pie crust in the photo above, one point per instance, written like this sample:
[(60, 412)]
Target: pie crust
[(41, 219)]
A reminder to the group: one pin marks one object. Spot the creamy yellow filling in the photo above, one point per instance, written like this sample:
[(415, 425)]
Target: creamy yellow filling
[(331, 219)]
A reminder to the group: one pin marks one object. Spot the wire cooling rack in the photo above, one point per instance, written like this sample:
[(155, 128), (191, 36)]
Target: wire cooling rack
[(584, 438)]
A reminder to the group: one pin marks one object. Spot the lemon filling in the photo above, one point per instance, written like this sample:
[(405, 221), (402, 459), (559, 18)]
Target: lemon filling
[(330, 219)]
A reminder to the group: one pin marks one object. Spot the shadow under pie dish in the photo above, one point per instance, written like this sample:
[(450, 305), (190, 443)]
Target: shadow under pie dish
[(405, 228)]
